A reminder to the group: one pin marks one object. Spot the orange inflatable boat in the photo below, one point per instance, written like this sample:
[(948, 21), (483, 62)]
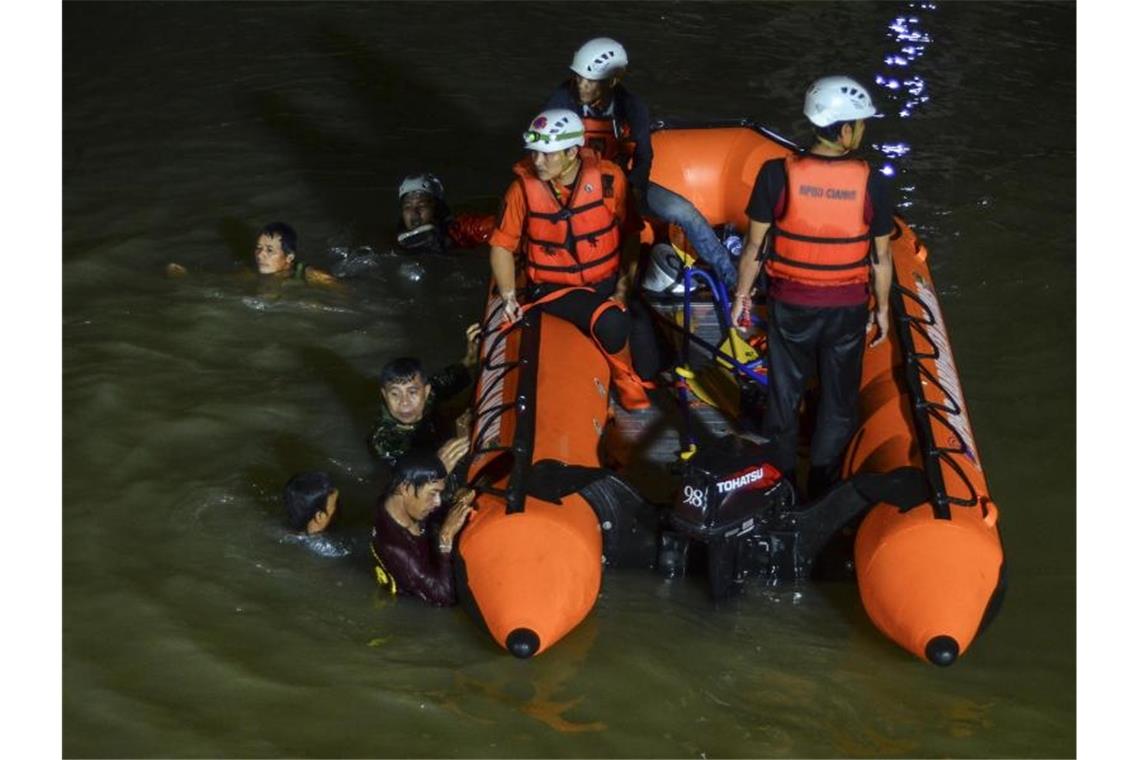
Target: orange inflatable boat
[(529, 561), (928, 562), (930, 576)]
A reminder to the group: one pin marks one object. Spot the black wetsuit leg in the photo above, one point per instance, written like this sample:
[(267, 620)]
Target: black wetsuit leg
[(578, 306), (644, 343)]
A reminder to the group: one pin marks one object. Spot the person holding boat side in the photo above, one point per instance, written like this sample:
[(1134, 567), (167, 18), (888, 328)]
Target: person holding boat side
[(826, 218), (410, 406), (411, 552)]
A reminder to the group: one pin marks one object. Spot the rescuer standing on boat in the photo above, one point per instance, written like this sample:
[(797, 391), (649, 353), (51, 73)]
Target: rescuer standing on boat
[(567, 209), (827, 219)]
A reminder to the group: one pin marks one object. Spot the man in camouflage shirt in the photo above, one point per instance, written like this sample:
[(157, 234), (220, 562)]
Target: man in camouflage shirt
[(409, 415)]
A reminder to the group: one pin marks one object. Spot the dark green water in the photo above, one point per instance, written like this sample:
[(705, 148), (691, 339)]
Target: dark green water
[(193, 625)]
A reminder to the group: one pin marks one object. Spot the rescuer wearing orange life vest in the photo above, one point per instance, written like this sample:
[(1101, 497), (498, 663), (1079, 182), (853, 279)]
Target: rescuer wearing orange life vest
[(617, 127), (827, 217), (566, 210), (615, 120)]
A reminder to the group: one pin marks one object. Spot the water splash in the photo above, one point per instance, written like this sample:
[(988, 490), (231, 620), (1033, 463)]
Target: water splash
[(412, 271), (320, 544)]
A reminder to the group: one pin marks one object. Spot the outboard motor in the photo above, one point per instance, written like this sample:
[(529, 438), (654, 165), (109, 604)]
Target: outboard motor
[(738, 507), (735, 503)]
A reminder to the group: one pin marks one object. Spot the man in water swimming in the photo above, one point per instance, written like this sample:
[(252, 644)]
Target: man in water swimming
[(426, 221), (409, 409), (275, 255), (412, 555), (310, 501), (826, 216)]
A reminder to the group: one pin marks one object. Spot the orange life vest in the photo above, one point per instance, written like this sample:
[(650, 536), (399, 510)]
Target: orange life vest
[(822, 237), (575, 244), (611, 141)]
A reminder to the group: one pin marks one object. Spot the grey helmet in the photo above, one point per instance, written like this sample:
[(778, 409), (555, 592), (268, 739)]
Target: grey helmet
[(664, 274)]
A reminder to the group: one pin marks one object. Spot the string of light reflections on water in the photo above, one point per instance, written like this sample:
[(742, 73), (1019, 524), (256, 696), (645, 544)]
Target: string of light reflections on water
[(910, 89)]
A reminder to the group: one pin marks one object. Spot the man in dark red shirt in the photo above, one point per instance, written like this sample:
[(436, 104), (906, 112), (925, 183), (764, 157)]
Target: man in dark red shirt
[(412, 555), (827, 217)]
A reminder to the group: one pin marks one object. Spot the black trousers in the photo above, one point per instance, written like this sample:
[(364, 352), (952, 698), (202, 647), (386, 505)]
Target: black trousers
[(804, 341), (577, 307)]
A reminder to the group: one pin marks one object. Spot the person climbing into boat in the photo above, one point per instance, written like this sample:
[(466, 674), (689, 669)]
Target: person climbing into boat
[(566, 209), (827, 219), (409, 410), (412, 553), (427, 223), (275, 255), (310, 501)]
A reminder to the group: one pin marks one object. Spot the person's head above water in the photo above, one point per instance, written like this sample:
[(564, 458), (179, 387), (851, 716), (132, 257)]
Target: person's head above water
[(310, 501), (597, 67), (276, 248), (837, 107), (421, 196), (405, 389), (416, 487), (553, 140)]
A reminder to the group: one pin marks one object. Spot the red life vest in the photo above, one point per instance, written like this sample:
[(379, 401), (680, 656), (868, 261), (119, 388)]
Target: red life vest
[(575, 244), (823, 237), (470, 230), (609, 140)]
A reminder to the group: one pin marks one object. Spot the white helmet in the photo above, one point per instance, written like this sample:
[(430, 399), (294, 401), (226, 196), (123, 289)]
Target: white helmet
[(422, 183), (600, 58), (833, 99), (554, 130)]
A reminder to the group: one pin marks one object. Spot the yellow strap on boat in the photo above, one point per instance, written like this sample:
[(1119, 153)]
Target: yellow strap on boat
[(738, 348), (686, 258), (717, 387)]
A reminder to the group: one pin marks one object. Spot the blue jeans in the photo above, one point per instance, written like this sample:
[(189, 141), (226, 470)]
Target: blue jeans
[(667, 205)]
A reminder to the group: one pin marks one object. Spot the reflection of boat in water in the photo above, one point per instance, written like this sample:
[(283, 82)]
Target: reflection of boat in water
[(927, 552)]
